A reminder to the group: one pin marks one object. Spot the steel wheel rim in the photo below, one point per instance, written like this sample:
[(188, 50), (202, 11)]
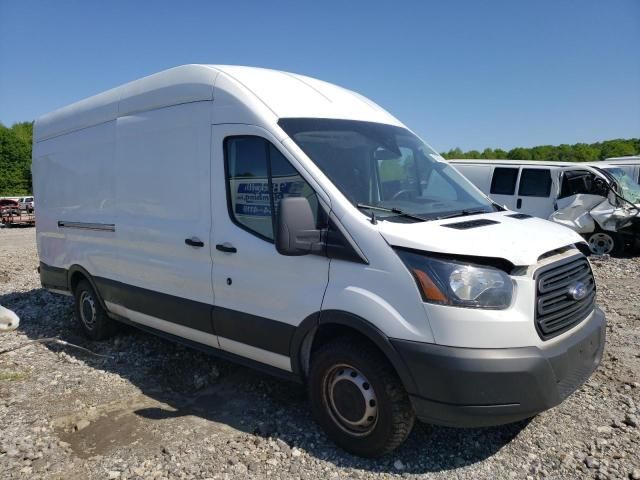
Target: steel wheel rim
[(87, 310), (364, 412), (601, 243)]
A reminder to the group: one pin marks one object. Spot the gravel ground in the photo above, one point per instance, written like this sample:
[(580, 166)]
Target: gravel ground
[(156, 410)]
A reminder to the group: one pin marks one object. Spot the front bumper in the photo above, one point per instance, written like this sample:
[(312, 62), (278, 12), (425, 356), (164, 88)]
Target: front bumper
[(467, 387)]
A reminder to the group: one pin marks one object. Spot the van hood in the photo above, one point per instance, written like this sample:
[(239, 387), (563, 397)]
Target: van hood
[(520, 241)]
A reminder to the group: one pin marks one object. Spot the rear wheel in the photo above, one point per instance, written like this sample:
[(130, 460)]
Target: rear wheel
[(358, 399), (93, 318)]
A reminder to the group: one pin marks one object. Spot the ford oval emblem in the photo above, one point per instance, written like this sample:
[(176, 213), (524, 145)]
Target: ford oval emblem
[(578, 291)]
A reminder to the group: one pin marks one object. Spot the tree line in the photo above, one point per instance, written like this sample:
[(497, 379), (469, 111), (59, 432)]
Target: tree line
[(15, 155), (578, 152), (15, 159)]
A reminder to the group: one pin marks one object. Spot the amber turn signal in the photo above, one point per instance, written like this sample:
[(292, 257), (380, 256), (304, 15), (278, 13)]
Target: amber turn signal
[(428, 287)]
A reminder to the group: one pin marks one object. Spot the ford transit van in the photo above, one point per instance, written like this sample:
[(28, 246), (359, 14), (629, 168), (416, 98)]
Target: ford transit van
[(323, 241), (598, 200)]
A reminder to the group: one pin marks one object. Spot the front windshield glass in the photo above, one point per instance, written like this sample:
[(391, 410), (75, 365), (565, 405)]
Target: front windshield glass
[(385, 166), (630, 189)]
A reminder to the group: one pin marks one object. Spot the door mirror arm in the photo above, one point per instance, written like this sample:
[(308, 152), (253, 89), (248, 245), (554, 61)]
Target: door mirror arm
[(311, 241)]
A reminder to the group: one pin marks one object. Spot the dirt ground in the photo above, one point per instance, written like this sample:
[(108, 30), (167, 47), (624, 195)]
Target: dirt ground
[(151, 409)]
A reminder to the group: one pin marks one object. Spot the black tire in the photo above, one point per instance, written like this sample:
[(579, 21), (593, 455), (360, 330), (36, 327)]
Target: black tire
[(334, 390), (93, 319)]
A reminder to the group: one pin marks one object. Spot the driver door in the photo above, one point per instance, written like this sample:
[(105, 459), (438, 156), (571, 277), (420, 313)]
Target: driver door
[(261, 296)]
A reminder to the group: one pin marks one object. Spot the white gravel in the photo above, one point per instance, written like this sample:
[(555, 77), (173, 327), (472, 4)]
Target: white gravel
[(155, 410)]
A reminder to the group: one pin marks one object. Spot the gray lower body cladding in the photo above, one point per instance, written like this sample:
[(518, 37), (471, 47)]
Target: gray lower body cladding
[(468, 387)]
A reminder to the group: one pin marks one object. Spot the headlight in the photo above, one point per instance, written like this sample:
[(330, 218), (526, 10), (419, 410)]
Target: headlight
[(459, 284)]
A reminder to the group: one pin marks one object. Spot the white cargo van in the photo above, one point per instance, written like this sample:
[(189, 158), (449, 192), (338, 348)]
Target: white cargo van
[(630, 165), (601, 204), (324, 242)]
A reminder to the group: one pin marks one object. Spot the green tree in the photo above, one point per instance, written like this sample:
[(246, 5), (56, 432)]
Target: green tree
[(500, 154), (619, 148), (15, 159), (453, 153), (519, 153)]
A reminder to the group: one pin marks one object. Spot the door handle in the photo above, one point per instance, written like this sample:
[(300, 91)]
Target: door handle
[(226, 247), (194, 242), (519, 203)]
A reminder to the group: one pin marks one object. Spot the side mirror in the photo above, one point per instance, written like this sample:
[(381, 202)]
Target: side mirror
[(297, 233)]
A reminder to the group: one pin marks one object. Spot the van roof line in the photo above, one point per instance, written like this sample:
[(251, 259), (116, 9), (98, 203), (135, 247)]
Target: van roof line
[(284, 94)]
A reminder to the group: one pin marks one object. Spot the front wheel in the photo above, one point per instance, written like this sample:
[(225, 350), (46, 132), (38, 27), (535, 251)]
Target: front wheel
[(358, 399), (605, 243)]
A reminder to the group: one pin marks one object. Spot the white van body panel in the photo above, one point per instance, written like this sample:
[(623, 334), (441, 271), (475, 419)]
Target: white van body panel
[(153, 214), (78, 198), (540, 207), (184, 84), (383, 292)]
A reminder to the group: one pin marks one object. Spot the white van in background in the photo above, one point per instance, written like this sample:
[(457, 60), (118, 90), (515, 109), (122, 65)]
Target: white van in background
[(630, 165), (26, 203), (603, 205), (325, 242)]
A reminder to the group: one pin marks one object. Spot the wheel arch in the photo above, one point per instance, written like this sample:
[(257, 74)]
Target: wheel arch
[(327, 324), (75, 274)]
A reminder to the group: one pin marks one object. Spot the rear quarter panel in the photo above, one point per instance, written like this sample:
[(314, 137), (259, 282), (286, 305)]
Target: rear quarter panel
[(73, 179)]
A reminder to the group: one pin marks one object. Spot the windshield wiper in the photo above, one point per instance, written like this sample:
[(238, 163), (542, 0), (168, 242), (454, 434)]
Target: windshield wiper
[(397, 211), (462, 213)]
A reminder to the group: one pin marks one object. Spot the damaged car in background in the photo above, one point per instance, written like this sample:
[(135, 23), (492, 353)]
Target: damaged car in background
[(601, 204)]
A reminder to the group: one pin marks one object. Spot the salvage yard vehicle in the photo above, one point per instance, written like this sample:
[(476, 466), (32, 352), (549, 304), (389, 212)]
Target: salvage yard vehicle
[(326, 243), (9, 207), (11, 214), (26, 203), (603, 205), (630, 165)]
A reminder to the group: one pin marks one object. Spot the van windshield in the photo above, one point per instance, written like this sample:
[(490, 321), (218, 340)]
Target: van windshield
[(630, 189), (387, 167)]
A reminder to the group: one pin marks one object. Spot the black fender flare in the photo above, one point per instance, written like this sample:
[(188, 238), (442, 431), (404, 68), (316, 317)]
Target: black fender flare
[(303, 336), (73, 269)]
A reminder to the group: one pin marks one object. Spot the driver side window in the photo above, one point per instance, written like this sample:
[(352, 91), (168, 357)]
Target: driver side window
[(258, 177), (575, 182)]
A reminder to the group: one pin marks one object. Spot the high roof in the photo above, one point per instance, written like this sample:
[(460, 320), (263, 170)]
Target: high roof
[(280, 94), (631, 159)]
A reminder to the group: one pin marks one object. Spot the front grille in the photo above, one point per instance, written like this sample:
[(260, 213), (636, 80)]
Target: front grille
[(557, 308)]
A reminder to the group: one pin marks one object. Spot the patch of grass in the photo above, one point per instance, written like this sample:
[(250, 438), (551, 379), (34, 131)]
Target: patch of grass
[(12, 376)]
